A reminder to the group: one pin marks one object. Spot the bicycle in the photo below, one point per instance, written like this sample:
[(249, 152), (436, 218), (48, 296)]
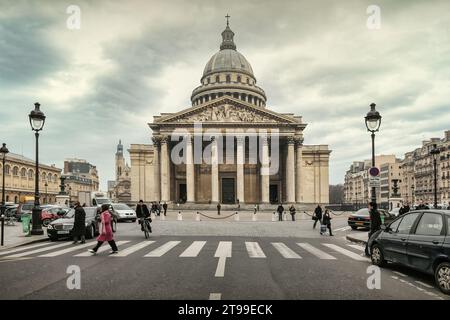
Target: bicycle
[(146, 227)]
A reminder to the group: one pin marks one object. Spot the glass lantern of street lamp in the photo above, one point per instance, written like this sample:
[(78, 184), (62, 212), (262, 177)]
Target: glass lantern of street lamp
[(373, 119), (37, 118)]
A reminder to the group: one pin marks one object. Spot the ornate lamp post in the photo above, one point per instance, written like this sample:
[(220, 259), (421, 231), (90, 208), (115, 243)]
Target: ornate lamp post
[(3, 151), (373, 122), (413, 200), (46, 194), (37, 121), (435, 154)]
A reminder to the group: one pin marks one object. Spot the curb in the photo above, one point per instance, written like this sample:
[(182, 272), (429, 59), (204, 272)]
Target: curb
[(27, 243), (353, 239)]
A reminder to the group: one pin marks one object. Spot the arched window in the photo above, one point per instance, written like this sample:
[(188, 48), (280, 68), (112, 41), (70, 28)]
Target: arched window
[(55, 178), (228, 78), (16, 200), (7, 168), (43, 176), (23, 172), (239, 79), (15, 171), (217, 79), (49, 177), (30, 174)]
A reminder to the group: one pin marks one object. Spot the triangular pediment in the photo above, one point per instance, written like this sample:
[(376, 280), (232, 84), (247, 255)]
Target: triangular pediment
[(226, 110)]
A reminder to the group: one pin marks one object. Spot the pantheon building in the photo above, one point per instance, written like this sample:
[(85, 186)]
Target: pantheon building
[(229, 147)]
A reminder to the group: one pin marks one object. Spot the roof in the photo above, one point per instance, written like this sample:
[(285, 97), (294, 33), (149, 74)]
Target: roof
[(21, 158)]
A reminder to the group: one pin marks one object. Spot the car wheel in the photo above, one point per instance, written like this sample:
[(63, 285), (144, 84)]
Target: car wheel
[(442, 277), (376, 256), (46, 222), (353, 227), (90, 232)]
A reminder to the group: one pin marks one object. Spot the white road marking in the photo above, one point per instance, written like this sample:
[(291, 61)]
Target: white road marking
[(342, 229), (254, 250), (399, 273), (357, 247), (132, 249), (194, 249), (316, 252), (223, 252), (346, 252), (215, 296), (63, 251), (101, 249), (27, 253), (424, 284), (162, 250), (285, 251), (24, 248)]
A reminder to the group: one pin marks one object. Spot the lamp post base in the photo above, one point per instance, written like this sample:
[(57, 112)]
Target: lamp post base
[(37, 232)]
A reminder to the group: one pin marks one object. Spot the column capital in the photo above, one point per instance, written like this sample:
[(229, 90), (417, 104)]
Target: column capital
[(165, 139), (298, 141), (290, 140), (156, 140)]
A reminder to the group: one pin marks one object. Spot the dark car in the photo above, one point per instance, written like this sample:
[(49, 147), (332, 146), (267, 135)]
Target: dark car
[(419, 240), (23, 209), (361, 218), (62, 228)]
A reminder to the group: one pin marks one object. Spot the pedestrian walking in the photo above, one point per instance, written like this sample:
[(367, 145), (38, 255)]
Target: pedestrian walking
[(106, 231), (375, 223), (293, 212), (218, 208), (165, 208), (255, 209), (280, 211), (158, 208), (326, 221), (142, 212), (317, 217), (79, 224)]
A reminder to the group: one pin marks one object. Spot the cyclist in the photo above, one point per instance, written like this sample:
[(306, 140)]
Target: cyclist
[(142, 213)]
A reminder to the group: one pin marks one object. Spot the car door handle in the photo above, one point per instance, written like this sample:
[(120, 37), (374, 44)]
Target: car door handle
[(435, 242), (403, 239)]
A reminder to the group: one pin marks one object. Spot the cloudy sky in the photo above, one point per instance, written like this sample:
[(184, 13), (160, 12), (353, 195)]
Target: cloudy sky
[(131, 60)]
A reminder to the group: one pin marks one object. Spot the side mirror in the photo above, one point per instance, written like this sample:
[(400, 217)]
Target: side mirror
[(384, 227)]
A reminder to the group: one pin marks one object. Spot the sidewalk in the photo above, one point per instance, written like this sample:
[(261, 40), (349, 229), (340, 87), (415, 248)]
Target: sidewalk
[(14, 236), (360, 237)]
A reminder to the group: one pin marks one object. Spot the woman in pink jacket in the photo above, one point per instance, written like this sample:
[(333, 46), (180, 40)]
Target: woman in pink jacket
[(106, 231)]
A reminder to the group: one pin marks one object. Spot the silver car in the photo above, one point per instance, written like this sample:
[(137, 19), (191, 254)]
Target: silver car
[(123, 212)]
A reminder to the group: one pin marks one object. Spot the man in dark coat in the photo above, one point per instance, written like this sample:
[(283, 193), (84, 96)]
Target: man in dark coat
[(218, 208), (79, 224), (280, 211), (317, 215), (292, 211), (165, 208), (142, 211), (375, 222)]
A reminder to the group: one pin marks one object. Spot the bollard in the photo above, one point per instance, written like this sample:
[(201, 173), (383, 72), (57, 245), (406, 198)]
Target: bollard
[(236, 216), (254, 217), (197, 218), (274, 218), (180, 217)]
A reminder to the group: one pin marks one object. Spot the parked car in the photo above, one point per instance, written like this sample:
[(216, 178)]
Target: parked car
[(395, 211), (123, 212), (24, 208), (51, 213), (361, 218), (62, 227), (419, 240)]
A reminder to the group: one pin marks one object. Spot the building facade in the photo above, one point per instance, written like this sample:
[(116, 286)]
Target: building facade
[(390, 180), (229, 147), (356, 181), (80, 176), (20, 180)]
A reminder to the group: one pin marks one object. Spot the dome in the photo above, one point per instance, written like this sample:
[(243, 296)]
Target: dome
[(228, 60)]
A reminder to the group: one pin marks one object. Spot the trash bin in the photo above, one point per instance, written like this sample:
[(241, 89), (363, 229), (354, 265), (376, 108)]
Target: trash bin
[(26, 219)]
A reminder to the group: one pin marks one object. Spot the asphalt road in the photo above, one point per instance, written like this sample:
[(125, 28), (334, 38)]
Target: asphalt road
[(210, 260)]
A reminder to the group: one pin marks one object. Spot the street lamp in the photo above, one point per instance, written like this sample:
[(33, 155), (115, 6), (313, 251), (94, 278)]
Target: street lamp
[(413, 195), (435, 154), (37, 121), (373, 122), (46, 194), (3, 150)]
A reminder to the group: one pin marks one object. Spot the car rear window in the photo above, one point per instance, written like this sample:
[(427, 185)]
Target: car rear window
[(362, 212), (430, 224)]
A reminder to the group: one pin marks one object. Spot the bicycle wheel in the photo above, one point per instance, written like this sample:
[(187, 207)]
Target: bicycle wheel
[(146, 234)]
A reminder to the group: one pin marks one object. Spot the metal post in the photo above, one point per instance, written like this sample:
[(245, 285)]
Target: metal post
[(3, 202), (37, 226), (374, 195), (435, 182)]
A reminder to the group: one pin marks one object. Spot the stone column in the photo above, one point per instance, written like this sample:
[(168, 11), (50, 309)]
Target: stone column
[(156, 167), (290, 171), (240, 160), (190, 175), (165, 169), (265, 167), (214, 172), (299, 164)]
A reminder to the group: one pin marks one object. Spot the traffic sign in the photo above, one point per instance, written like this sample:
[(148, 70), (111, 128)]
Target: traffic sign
[(374, 182), (374, 172)]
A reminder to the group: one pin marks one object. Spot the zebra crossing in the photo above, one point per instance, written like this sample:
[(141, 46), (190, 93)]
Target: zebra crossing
[(192, 249)]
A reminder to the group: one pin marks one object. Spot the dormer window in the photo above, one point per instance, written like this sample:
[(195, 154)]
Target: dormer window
[(217, 79), (228, 78), (239, 79)]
